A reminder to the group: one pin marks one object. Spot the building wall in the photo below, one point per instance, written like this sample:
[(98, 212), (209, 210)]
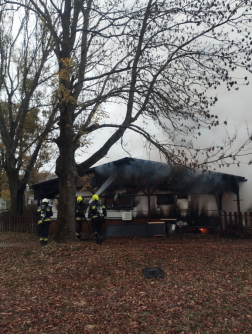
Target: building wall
[(3, 204), (55, 203), (202, 205), (229, 202)]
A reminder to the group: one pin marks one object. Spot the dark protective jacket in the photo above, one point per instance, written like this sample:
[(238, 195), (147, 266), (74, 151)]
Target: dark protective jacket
[(96, 211), (80, 209), (44, 212)]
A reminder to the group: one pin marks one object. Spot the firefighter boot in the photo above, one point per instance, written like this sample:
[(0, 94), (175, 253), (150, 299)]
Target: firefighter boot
[(41, 242), (97, 237), (45, 242)]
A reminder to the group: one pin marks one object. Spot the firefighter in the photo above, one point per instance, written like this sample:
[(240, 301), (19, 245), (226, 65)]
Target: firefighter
[(80, 209), (97, 213), (44, 212)]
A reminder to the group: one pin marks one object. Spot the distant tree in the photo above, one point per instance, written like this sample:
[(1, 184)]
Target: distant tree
[(155, 60), (40, 170), (3, 182), (26, 113)]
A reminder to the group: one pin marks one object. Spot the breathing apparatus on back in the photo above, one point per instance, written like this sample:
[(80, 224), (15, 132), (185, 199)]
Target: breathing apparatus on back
[(96, 201), (44, 205)]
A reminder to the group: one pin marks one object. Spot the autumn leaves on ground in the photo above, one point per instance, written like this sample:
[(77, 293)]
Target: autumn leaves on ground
[(89, 288)]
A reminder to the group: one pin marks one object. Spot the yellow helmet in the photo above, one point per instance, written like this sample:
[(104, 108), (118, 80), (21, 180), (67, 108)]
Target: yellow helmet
[(79, 199), (95, 197)]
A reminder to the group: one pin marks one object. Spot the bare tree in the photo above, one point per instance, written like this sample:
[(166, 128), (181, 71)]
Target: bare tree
[(154, 59), (24, 75)]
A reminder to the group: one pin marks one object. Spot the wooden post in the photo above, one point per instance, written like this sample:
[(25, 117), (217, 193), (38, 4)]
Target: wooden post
[(239, 212), (220, 222), (226, 225), (246, 220), (236, 223), (218, 197), (238, 203), (231, 223), (148, 195), (240, 221)]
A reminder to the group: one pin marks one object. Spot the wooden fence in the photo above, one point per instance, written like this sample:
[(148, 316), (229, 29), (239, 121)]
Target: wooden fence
[(231, 223), (18, 223)]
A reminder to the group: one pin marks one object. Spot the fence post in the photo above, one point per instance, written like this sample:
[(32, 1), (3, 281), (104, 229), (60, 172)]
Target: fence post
[(220, 221), (236, 222), (246, 220), (226, 225), (240, 222), (10, 222), (231, 223)]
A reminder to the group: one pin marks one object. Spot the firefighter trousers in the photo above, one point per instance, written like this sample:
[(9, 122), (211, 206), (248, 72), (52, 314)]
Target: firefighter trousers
[(78, 227), (43, 230), (97, 225)]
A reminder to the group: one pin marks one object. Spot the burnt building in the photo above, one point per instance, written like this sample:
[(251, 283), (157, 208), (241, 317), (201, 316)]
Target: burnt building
[(138, 191)]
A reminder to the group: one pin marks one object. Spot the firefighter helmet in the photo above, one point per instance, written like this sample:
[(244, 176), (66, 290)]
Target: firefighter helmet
[(95, 198), (79, 199), (45, 200)]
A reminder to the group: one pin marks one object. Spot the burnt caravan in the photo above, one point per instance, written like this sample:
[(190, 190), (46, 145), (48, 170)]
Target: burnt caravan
[(137, 191)]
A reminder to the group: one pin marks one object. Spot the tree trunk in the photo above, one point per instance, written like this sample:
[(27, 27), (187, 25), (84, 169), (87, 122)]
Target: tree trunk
[(20, 198), (67, 174), (17, 192)]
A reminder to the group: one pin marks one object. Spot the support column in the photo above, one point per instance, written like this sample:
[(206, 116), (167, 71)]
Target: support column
[(238, 203), (218, 198), (148, 193)]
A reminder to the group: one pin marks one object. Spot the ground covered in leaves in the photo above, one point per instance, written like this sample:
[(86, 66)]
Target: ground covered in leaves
[(88, 288)]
